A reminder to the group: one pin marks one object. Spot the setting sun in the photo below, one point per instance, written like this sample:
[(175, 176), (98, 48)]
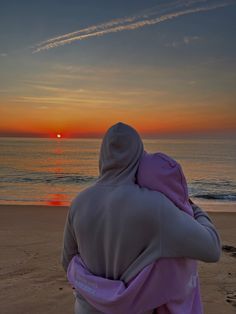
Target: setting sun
[(58, 135)]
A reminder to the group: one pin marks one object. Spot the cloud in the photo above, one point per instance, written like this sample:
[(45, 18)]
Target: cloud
[(43, 107), (115, 22), (3, 54), (152, 16), (187, 40)]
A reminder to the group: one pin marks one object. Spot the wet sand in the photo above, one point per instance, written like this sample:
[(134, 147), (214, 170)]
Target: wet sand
[(32, 280)]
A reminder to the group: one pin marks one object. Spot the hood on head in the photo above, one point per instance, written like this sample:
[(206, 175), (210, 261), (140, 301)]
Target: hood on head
[(120, 152), (162, 173)]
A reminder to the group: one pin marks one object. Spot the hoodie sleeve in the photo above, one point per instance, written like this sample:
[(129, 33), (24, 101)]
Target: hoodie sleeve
[(69, 246), (183, 236)]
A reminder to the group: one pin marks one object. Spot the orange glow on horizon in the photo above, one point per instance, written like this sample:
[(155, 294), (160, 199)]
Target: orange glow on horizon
[(74, 123), (144, 127)]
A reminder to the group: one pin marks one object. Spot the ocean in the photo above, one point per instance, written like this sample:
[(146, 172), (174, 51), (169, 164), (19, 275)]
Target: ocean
[(53, 171)]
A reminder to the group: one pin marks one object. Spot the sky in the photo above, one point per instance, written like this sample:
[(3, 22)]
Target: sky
[(77, 67)]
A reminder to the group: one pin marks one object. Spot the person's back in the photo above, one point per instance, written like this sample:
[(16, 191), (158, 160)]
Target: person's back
[(119, 228), (113, 226)]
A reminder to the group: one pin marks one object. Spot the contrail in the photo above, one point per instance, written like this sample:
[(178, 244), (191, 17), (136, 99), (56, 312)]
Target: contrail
[(145, 14), (132, 22)]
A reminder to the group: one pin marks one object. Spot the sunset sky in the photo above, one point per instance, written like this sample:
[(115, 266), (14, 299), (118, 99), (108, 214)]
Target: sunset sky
[(76, 67)]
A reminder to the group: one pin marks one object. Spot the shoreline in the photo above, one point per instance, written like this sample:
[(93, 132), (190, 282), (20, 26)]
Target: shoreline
[(32, 279), (208, 206)]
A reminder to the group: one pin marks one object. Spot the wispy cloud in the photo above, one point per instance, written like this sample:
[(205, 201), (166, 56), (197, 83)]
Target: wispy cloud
[(3, 54), (43, 107), (152, 16), (186, 40), (115, 22)]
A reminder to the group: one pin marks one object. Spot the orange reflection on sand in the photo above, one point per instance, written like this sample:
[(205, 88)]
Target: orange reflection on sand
[(57, 199)]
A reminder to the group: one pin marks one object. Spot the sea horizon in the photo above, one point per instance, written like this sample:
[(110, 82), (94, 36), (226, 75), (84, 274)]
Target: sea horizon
[(190, 135), (52, 171)]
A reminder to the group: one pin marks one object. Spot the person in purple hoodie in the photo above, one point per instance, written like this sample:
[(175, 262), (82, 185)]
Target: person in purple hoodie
[(162, 173), (128, 249)]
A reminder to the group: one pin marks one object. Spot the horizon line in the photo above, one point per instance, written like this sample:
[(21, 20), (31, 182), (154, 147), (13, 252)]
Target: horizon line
[(146, 135)]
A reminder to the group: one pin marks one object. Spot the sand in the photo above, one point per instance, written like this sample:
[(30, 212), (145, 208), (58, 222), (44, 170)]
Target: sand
[(32, 280)]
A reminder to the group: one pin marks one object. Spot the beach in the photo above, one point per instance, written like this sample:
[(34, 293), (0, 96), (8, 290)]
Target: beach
[(33, 281)]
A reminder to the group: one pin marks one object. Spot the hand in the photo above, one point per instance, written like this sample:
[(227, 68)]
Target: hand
[(190, 201)]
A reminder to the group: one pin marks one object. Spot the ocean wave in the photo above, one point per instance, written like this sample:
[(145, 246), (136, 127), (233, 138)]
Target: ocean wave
[(226, 197), (210, 183), (213, 190), (49, 179)]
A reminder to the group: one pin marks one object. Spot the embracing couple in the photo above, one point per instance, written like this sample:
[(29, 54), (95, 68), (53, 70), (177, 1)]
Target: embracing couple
[(133, 238)]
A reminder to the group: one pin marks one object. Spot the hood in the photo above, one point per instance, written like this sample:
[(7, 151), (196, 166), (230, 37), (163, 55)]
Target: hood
[(120, 152), (162, 173)]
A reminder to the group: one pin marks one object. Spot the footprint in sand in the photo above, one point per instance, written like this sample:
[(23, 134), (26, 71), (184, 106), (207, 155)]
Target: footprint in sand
[(230, 295), (231, 298), (229, 249)]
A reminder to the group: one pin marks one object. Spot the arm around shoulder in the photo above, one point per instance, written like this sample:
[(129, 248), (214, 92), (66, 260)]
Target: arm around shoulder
[(202, 218), (183, 236)]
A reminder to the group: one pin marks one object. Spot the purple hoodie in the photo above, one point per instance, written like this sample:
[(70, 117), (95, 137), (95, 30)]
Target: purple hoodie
[(161, 173), (167, 285)]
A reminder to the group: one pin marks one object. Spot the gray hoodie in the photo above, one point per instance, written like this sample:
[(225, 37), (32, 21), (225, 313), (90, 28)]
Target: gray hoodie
[(118, 228)]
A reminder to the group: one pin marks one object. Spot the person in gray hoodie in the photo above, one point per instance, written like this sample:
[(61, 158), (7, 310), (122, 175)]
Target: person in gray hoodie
[(118, 228)]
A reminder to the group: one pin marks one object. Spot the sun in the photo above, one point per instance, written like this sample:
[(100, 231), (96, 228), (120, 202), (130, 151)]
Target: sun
[(58, 135)]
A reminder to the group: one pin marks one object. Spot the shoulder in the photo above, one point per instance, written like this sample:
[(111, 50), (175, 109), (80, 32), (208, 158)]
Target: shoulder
[(144, 202), (132, 198), (150, 197)]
